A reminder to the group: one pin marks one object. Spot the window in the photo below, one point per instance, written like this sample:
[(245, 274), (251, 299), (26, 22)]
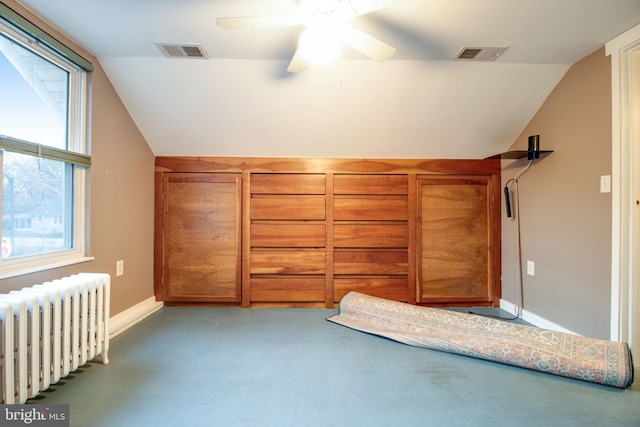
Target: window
[(43, 149)]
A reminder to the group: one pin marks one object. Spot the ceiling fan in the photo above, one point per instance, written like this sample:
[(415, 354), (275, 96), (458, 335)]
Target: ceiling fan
[(327, 29)]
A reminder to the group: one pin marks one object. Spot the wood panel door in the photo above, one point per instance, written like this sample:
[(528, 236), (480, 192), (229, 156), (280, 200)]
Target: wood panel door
[(455, 240), (202, 237)]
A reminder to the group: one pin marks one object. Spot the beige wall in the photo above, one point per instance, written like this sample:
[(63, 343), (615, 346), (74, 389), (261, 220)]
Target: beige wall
[(565, 220), (120, 195)]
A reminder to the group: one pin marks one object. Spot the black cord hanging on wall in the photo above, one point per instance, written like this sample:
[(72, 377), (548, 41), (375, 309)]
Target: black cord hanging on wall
[(532, 153)]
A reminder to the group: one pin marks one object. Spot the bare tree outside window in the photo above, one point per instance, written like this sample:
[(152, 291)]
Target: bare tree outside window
[(42, 133)]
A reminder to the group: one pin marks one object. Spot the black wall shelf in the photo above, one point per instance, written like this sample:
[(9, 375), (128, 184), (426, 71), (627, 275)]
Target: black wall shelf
[(519, 154)]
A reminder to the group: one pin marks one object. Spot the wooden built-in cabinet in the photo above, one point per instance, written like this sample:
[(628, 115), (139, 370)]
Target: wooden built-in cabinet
[(304, 232)]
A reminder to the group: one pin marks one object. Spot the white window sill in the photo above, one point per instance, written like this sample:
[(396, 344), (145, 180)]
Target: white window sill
[(35, 269)]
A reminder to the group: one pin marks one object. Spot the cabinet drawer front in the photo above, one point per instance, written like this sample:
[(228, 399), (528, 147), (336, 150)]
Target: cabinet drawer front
[(287, 289), (288, 235), (292, 207), (371, 236), (470, 194), (288, 183), (370, 262), (454, 286), (370, 184), (203, 282), (288, 262), (371, 209), (393, 289)]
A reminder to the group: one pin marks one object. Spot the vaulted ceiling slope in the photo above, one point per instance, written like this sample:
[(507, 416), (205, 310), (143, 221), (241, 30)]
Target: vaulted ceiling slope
[(422, 103)]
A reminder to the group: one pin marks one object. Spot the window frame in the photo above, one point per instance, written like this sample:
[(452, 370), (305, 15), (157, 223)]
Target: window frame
[(22, 32)]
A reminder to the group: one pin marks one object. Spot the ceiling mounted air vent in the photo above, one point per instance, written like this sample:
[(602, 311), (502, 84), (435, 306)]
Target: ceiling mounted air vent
[(182, 50), (480, 53)]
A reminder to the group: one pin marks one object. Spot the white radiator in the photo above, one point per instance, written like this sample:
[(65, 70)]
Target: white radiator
[(49, 330)]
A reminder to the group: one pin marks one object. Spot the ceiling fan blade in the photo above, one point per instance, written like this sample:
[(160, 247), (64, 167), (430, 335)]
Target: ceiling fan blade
[(369, 45), (298, 63), (232, 23)]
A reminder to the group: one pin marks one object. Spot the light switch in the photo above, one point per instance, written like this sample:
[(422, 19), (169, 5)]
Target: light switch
[(605, 184)]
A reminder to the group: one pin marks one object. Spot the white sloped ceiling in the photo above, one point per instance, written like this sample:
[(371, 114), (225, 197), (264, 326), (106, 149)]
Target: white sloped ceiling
[(420, 104)]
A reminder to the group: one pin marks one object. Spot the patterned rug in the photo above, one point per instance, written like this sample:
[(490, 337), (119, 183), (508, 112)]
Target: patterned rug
[(587, 359)]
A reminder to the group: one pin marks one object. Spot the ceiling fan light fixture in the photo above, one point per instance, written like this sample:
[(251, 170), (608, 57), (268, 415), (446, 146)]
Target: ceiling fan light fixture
[(327, 30), (320, 46)]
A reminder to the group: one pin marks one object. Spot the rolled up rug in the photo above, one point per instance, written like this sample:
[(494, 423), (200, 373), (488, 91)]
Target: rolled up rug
[(558, 353)]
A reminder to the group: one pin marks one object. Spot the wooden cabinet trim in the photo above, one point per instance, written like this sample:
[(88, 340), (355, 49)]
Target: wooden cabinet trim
[(327, 165), (329, 278), (246, 240)]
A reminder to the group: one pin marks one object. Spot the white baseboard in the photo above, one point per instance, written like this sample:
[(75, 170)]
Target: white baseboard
[(126, 319), (534, 319)]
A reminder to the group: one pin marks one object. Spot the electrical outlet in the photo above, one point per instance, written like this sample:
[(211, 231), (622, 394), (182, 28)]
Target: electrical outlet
[(605, 184), (119, 268), (531, 268)]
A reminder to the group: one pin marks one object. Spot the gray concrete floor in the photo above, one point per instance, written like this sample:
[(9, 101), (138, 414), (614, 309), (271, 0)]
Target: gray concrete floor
[(290, 367)]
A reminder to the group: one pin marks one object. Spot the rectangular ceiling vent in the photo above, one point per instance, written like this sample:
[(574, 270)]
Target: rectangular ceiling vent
[(182, 50), (480, 53)]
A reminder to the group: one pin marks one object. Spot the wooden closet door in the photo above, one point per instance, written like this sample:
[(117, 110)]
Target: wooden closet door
[(455, 238), (202, 237)]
